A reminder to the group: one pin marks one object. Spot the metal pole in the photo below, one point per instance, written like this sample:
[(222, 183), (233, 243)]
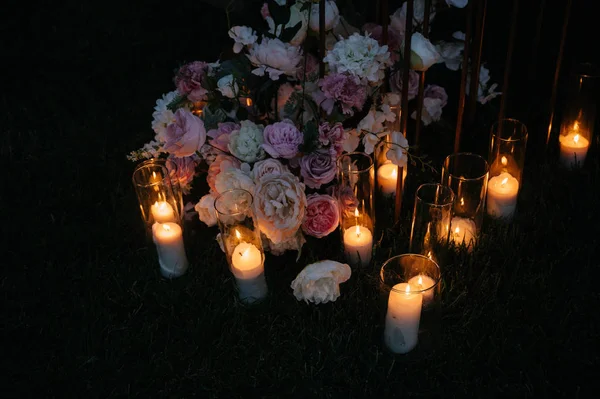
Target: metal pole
[(476, 61), (463, 78), (509, 53), (420, 95)]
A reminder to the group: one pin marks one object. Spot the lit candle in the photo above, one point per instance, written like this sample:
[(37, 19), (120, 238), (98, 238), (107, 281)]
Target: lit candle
[(387, 178), (423, 283), (402, 319), (358, 245), (502, 196), (573, 147), (168, 238), (162, 212), (248, 269), (463, 230)]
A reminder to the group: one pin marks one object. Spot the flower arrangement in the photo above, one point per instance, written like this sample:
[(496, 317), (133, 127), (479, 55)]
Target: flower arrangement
[(274, 117)]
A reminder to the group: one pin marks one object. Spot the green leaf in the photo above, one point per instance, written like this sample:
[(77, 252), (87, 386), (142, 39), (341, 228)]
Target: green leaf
[(213, 118), (311, 136), (177, 103)]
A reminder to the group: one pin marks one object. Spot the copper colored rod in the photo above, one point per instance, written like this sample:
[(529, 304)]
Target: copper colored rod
[(476, 61), (383, 11), (509, 53), (322, 36), (536, 41), (463, 78), (420, 94)]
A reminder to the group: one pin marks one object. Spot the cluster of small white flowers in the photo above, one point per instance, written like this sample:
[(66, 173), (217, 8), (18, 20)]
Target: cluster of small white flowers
[(484, 93), (163, 116), (359, 56), (150, 150)]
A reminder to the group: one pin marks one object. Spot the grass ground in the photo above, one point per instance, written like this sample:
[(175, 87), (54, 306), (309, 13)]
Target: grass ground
[(87, 314)]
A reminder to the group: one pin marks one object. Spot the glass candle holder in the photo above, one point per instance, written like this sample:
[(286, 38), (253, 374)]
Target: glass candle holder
[(431, 219), (356, 196), (507, 158), (578, 116), (242, 244), (467, 175), (410, 285)]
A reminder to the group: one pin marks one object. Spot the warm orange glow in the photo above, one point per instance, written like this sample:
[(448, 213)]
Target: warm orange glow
[(356, 212), (429, 256), (462, 202), (457, 230), (576, 126), (407, 289), (576, 138), (166, 227), (504, 181), (504, 161), (245, 253), (357, 231), (394, 173), (237, 234), (421, 279), (248, 102)]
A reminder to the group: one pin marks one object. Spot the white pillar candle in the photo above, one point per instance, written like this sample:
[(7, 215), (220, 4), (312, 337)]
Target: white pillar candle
[(168, 238), (423, 283), (358, 245), (573, 148), (502, 195), (248, 269), (162, 212), (387, 178), (463, 230), (401, 332)]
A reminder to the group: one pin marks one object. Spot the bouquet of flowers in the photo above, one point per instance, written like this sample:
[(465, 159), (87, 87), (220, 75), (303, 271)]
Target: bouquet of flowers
[(274, 117)]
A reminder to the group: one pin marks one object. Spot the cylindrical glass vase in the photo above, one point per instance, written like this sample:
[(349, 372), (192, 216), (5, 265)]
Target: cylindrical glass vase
[(579, 115), (432, 214), (410, 287), (356, 197), (467, 175), (508, 144), (242, 244)]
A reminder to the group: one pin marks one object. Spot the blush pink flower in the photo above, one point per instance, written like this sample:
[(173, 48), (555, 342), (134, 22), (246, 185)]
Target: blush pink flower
[(189, 80), (347, 201), (186, 135), (318, 168), (322, 215), (220, 135), (184, 172), (282, 139), (345, 89), (333, 135), (397, 82), (220, 164)]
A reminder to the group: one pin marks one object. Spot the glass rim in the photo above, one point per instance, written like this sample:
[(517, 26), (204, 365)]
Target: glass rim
[(230, 191), (362, 154), (393, 258), (516, 122), (147, 164), (450, 202), (487, 166)]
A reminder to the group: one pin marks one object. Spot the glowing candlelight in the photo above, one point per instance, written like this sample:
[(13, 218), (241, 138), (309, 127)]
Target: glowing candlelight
[(502, 196), (402, 319), (573, 147)]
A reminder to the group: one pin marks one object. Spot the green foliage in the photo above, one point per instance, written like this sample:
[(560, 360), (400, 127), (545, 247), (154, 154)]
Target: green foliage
[(177, 103), (213, 118), (311, 137)]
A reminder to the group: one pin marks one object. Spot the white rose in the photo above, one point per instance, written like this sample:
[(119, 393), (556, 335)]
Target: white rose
[(332, 16), (397, 152), (320, 282), (274, 57), (432, 110), (279, 206), (233, 178), (206, 210), (246, 143), (243, 36), (228, 86), (267, 166), (457, 3), (422, 53), (398, 18)]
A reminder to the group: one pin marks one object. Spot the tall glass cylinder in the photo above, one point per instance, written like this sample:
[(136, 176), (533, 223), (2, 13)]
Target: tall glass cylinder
[(410, 286), (356, 199), (242, 244), (507, 159), (432, 214), (467, 175), (578, 116)]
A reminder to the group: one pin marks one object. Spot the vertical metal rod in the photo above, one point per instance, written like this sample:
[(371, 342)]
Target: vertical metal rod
[(463, 78), (509, 53), (476, 61), (561, 50), (322, 36), (536, 41), (383, 11), (420, 94)]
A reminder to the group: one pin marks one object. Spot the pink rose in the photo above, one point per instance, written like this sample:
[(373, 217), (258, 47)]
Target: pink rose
[(345, 89), (282, 139), (184, 172), (435, 91), (220, 135), (186, 135), (318, 168), (189, 80), (396, 83), (322, 215), (220, 164)]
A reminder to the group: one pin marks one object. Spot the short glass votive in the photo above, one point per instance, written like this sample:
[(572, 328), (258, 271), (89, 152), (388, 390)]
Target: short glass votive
[(467, 175), (242, 244), (579, 115), (508, 145), (410, 286), (356, 196), (431, 219)]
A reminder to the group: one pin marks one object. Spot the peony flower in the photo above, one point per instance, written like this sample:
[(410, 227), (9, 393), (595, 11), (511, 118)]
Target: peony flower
[(282, 139), (234, 178), (246, 143), (228, 86), (311, 65), (189, 80), (318, 168), (296, 15), (185, 171), (274, 57), (397, 81), (423, 54), (266, 167), (206, 210), (435, 98), (243, 36), (334, 135), (457, 3), (294, 243), (332, 16), (186, 135), (322, 215), (162, 115), (320, 282), (359, 56), (220, 135), (221, 163), (279, 206), (451, 53), (398, 150), (345, 89)]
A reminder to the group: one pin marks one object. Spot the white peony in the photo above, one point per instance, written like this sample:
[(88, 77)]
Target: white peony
[(243, 36), (320, 282), (206, 210), (234, 178), (162, 116), (332, 16), (228, 86), (266, 167), (279, 206), (423, 54), (398, 150), (274, 57), (360, 56), (246, 143)]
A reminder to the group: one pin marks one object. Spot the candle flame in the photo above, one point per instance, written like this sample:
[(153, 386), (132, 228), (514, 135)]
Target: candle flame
[(357, 231), (420, 281), (248, 102), (237, 234), (395, 172), (504, 161), (457, 230), (245, 253), (576, 139), (407, 290), (462, 201), (576, 126), (166, 227), (356, 212), (504, 181)]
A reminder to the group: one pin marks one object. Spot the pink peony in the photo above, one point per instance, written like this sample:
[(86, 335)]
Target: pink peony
[(220, 135), (282, 139), (189, 80), (185, 171), (186, 135), (220, 164), (322, 215), (318, 168), (346, 89), (333, 135), (396, 83)]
